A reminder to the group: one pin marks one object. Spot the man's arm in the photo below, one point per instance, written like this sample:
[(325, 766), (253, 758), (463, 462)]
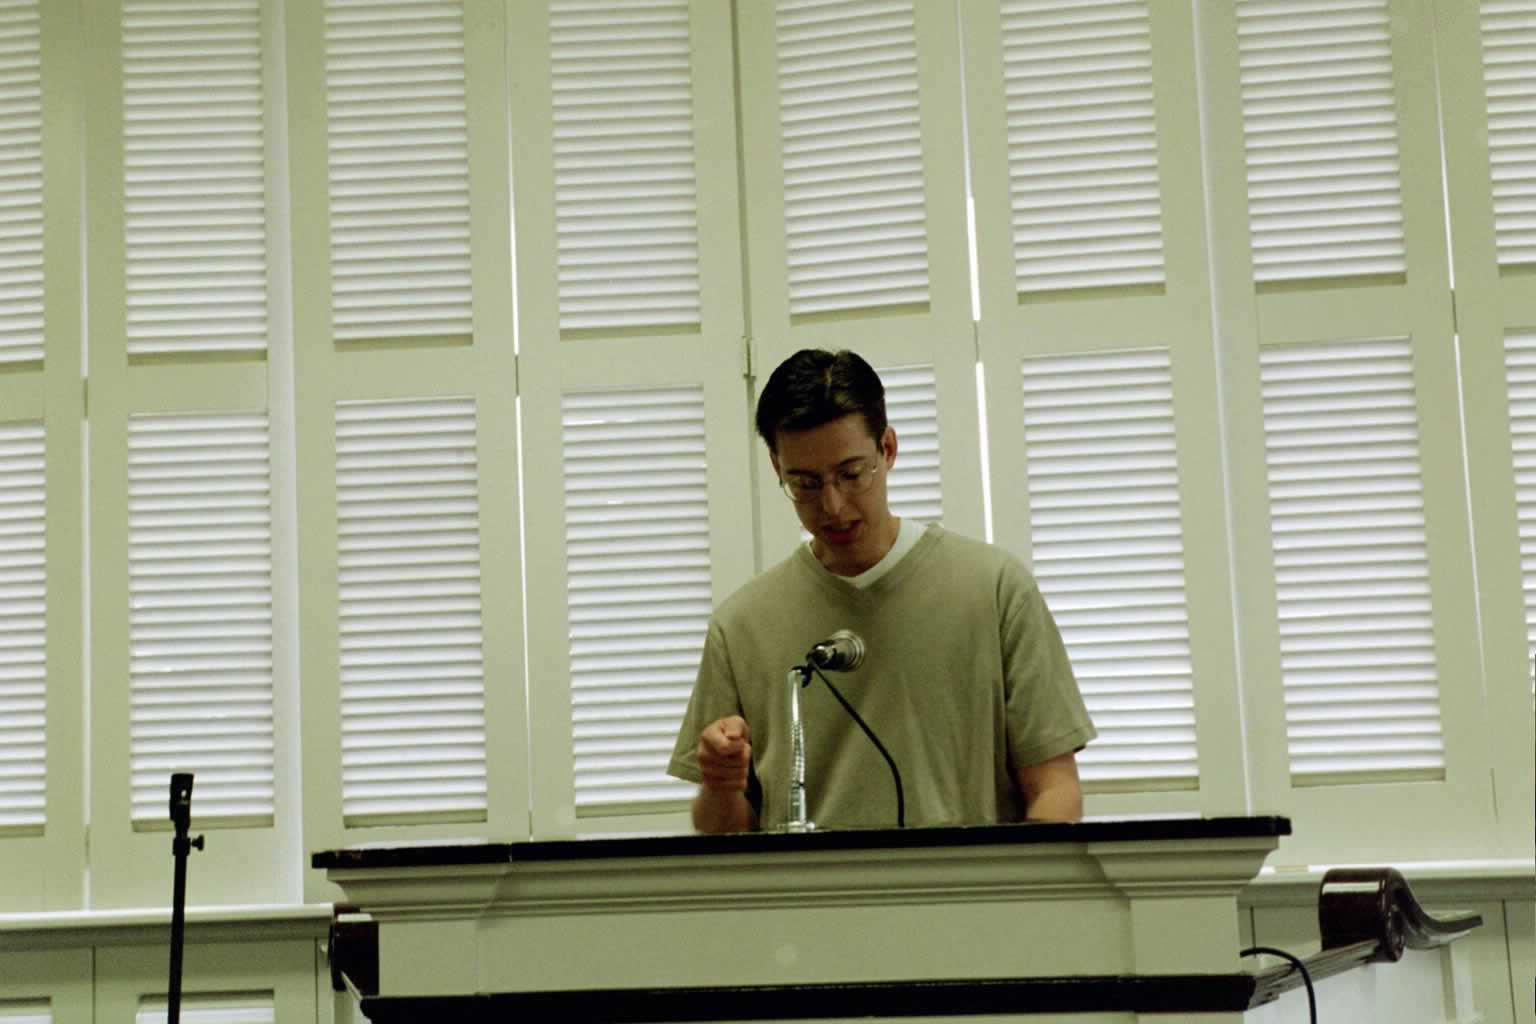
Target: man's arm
[(716, 810), (725, 761), (1051, 789)]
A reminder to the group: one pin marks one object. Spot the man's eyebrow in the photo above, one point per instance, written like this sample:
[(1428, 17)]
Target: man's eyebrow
[(846, 463)]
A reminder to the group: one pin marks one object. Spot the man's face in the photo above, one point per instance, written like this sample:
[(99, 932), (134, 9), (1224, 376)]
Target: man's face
[(850, 532)]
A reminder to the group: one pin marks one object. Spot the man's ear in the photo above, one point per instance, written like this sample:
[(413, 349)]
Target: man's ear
[(888, 445), (773, 457)]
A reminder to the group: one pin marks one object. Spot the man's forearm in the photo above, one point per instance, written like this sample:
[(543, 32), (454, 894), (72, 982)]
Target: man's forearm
[(727, 810), (1062, 802), (1051, 790)]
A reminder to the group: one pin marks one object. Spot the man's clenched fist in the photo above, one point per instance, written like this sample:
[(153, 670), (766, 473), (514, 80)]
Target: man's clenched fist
[(725, 753)]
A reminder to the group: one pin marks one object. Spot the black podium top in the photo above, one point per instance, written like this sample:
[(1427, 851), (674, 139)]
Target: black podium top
[(1135, 830)]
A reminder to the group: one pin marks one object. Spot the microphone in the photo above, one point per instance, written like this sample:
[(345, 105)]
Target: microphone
[(843, 651)]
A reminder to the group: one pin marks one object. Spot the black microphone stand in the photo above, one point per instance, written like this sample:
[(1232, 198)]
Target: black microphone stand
[(181, 847)]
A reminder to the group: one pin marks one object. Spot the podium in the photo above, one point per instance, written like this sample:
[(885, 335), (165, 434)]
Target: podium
[(1123, 920), (1108, 922)]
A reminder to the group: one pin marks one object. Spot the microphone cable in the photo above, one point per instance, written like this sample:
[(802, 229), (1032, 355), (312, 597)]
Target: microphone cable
[(1306, 979), (901, 798)]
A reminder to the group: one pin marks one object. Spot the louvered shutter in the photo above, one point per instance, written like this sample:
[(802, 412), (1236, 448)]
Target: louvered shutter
[(1351, 562), (30, 1012), (855, 225), (198, 1008), (200, 613), (398, 169), (626, 196), (23, 637), (638, 570), (195, 181), (1509, 76), (1108, 551), (21, 151), (412, 670), (1520, 373), (915, 489), (1082, 144), (1321, 137)]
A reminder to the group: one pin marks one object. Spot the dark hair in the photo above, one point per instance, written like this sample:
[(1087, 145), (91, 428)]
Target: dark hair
[(813, 387)]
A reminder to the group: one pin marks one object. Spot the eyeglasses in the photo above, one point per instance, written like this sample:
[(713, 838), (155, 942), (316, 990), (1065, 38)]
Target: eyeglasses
[(850, 480)]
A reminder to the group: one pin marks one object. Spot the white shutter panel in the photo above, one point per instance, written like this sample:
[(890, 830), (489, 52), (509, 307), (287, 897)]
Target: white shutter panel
[(1082, 144), (200, 613), (1351, 562), (195, 179), (30, 1012), (637, 558), (1108, 551), (197, 1008), (412, 669), (399, 169), (1520, 375), (626, 198), (1321, 135), (23, 637), (1509, 75), (21, 183), (912, 408), (855, 222)]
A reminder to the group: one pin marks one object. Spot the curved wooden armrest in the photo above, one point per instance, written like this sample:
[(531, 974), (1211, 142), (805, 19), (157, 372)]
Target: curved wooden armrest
[(1366, 915), (1375, 905)]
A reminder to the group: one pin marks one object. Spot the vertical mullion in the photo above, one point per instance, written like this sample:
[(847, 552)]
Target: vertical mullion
[(63, 847)]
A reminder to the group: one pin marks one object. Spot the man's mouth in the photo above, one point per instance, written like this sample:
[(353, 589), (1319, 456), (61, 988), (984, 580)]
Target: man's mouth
[(840, 535)]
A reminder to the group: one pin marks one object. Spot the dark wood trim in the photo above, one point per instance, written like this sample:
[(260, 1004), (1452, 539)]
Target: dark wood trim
[(1174, 993), (785, 842), (352, 948)]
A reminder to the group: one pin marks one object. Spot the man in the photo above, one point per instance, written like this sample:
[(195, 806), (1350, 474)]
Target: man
[(966, 680)]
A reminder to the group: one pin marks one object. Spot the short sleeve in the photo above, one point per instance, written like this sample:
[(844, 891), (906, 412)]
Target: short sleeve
[(1045, 711), (714, 697)]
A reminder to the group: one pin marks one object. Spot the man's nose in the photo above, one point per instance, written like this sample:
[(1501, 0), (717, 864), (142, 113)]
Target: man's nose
[(832, 498)]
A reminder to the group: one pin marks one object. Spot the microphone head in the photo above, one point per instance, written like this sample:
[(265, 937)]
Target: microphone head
[(853, 644), (843, 651)]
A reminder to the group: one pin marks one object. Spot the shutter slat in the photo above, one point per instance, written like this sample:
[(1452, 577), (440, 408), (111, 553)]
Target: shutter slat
[(626, 198), (915, 488), (1082, 145), (1319, 124), (200, 689), (198, 1008), (1351, 557), (1520, 382), (194, 179), (21, 153), (399, 169), (411, 644), (1509, 78), (23, 632), (855, 214), (1108, 552), (639, 608)]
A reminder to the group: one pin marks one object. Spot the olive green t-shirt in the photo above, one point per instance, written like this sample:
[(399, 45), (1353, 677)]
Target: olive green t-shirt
[(965, 678)]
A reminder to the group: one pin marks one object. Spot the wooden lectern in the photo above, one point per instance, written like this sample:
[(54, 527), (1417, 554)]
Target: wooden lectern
[(1106, 921)]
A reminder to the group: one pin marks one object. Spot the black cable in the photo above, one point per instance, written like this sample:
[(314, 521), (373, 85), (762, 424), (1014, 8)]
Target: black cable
[(901, 798), (1306, 979)]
